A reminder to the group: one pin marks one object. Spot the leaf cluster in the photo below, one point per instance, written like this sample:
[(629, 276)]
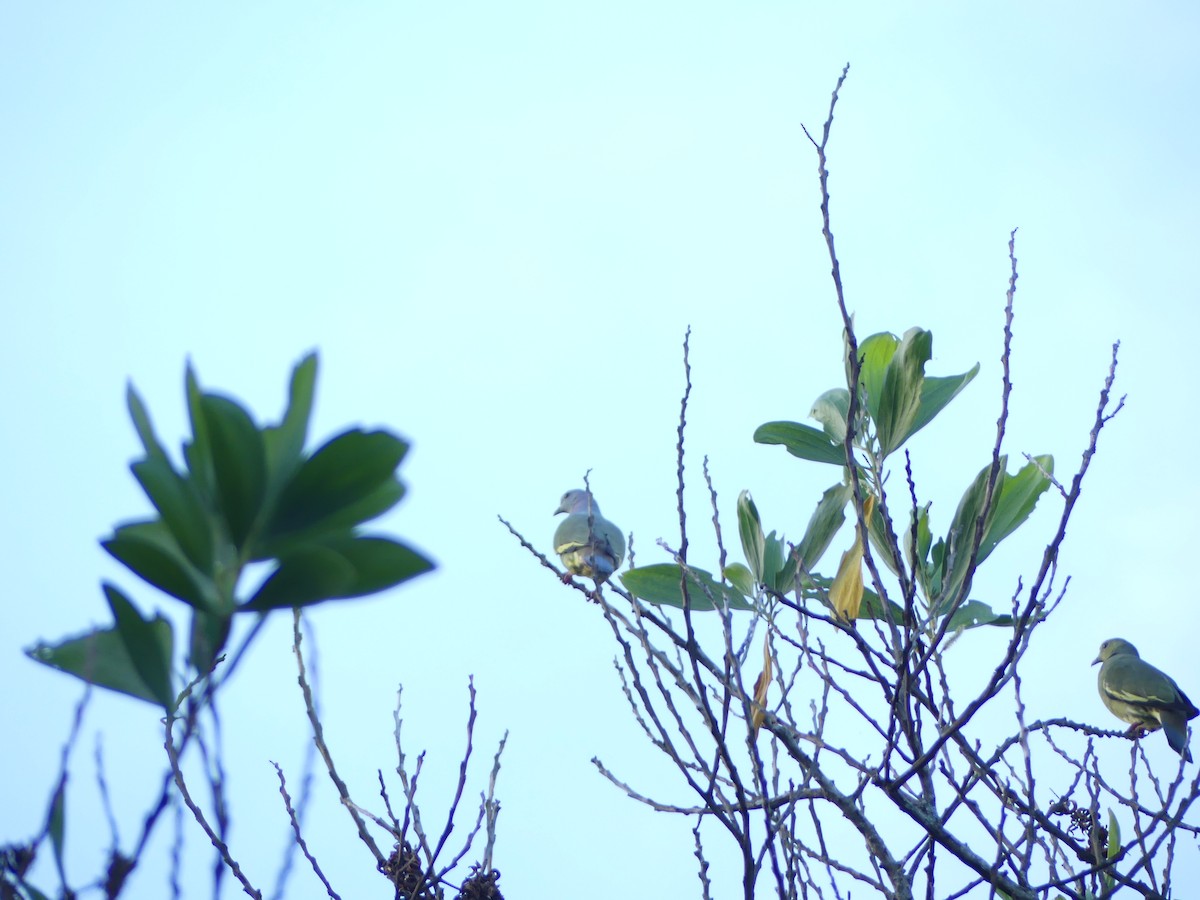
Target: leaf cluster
[(893, 399), (246, 494)]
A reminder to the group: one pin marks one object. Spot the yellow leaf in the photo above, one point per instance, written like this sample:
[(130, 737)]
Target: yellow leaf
[(846, 592), (758, 712)]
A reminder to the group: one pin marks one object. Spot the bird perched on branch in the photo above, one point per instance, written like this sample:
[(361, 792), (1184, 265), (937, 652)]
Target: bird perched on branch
[(588, 544), (1136, 692)]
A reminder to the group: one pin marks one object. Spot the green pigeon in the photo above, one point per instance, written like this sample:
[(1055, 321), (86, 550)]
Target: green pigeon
[(588, 544), (1136, 692)]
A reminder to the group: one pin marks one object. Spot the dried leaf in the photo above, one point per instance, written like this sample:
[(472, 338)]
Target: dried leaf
[(846, 592), (758, 711)]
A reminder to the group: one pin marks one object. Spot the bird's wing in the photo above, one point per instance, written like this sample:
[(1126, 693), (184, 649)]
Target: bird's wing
[(1128, 679)]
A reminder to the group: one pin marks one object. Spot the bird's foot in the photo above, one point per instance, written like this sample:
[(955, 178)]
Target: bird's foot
[(565, 577)]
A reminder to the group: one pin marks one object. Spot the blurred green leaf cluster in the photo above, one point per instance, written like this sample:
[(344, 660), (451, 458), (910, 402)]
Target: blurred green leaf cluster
[(246, 494)]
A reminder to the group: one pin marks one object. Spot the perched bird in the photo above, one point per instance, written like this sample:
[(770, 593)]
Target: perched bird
[(1136, 692), (587, 543)]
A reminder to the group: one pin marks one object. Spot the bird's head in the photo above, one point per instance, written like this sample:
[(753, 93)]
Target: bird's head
[(577, 501), (1114, 647)]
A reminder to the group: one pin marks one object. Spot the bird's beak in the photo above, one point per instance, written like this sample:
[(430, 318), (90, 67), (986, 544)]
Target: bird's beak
[(559, 510), (1097, 661)]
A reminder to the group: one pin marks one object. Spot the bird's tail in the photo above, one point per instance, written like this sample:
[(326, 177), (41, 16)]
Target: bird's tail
[(1176, 730)]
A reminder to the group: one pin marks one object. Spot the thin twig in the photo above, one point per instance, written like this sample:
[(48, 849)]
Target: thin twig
[(197, 813), (322, 747), (300, 842)]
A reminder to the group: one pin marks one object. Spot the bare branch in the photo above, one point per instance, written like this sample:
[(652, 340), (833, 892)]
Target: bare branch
[(323, 749), (197, 813), (300, 842)]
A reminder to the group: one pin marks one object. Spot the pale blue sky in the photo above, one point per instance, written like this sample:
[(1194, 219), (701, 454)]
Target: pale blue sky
[(495, 222)]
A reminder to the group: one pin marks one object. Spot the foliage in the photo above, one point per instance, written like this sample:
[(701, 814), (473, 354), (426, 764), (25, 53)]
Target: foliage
[(892, 369), (888, 725), (897, 400), (856, 756), (247, 497), (246, 494), (888, 779)]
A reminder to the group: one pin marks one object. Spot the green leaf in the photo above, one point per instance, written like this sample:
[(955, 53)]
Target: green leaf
[(284, 442), (379, 563), (875, 354), (902, 389), (924, 536), (151, 659), (750, 530), (936, 394), (831, 409), (878, 355), (100, 657), (150, 552), (56, 827), (775, 569), (373, 505), (209, 632), (660, 585), (304, 576), (142, 425), (824, 524), (962, 534), (346, 471), (741, 578), (1112, 850), (974, 613), (877, 533), (197, 453), (803, 441), (873, 608), (936, 571), (239, 463), (1014, 500), (784, 580), (181, 508), (339, 568), (920, 564)]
